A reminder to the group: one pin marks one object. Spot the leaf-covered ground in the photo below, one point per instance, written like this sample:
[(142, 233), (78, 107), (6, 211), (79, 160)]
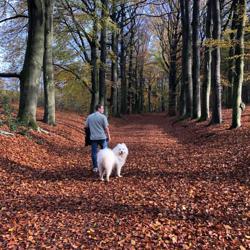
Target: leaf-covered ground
[(184, 186)]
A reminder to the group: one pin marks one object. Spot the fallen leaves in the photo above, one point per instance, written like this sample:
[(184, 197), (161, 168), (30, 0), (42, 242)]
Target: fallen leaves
[(184, 186)]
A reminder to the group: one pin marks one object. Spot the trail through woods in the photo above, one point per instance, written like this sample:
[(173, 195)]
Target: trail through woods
[(184, 186)]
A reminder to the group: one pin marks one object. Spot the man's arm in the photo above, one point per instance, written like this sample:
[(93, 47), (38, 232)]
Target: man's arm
[(108, 133)]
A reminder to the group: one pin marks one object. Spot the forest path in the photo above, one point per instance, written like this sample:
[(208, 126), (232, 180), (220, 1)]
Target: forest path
[(184, 186)]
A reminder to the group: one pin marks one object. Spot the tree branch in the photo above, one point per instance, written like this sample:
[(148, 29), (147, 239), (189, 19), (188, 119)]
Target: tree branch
[(9, 75), (75, 74), (13, 17)]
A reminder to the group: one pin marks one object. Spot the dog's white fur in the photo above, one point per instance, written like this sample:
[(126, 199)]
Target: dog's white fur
[(108, 159)]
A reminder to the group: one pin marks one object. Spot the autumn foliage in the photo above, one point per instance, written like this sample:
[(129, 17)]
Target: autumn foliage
[(185, 186)]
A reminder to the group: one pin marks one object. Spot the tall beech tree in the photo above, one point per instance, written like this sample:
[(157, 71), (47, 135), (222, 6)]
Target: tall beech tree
[(239, 64), (83, 41), (196, 60), (38, 54), (168, 31), (124, 89), (103, 56), (206, 85), (231, 59), (31, 72), (115, 88), (186, 96), (48, 76), (216, 63)]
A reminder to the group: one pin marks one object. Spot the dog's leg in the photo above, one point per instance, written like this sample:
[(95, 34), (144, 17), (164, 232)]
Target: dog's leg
[(101, 173), (118, 170), (108, 173)]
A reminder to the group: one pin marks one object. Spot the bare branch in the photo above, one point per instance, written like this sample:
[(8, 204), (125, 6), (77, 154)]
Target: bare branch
[(13, 17), (10, 75)]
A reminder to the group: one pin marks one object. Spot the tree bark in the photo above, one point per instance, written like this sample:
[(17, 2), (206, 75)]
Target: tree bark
[(186, 88), (149, 98), (103, 57), (196, 61), (94, 69), (239, 65), (231, 61), (130, 69), (188, 49), (31, 72), (114, 75), (48, 77), (182, 88), (123, 62), (141, 87), (135, 107), (216, 61), (206, 87), (172, 105)]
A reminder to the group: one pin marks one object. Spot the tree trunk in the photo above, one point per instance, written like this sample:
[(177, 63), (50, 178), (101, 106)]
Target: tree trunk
[(186, 88), (182, 88), (196, 61), (49, 88), (172, 105), (103, 57), (172, 81), (149, 98), (206, 87), (130, 68), (114, 65), (130, 75), (141, 87), (188, 49), (231, 61), (136, 96), (114, 76), (123, 63), (31, 72), (239, 65), (94, 69), (216, 61)]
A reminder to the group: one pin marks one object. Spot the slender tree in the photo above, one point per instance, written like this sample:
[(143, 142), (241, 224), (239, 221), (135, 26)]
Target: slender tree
[(114, 65), (130, 66), (206, 86), (94, 67), (123, 60), (231, 61), (196, 60), (182, 108), (186, 88), (188, 77), (103, 56), (216, 63), (49, 88), (239, 64)]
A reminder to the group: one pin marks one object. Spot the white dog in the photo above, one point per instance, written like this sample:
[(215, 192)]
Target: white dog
[(108, 159)]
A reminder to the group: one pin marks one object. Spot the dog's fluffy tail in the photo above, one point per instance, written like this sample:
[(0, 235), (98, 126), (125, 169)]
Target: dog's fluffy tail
[(106, 158)]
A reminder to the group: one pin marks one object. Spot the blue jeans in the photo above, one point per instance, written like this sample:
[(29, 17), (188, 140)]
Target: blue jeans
[(94, 148)]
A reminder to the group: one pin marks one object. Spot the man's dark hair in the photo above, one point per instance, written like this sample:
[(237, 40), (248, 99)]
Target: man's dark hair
[(98, 106)]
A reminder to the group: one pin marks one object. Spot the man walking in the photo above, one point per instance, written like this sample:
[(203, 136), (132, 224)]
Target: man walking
[(99, 132)]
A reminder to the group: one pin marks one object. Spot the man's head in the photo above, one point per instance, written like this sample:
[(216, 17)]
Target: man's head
[(99, 108)]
